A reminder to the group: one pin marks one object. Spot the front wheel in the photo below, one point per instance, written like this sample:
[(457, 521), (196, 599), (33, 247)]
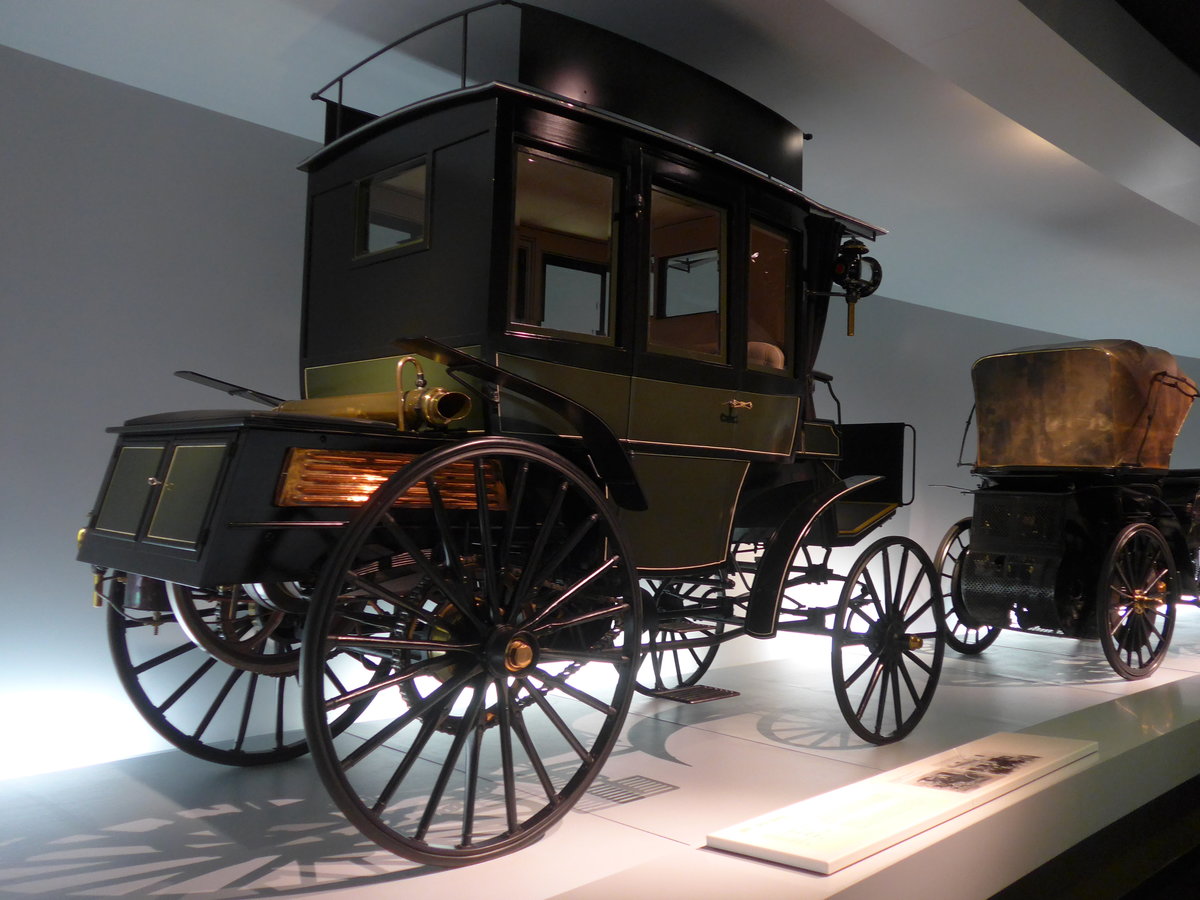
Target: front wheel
[(491, 582), (888, 640), (1135, 601)]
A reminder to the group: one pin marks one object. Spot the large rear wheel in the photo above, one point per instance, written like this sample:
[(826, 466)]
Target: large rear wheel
[(492, 581)]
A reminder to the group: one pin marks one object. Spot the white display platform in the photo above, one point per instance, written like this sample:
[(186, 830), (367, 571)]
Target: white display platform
[(830, 831)]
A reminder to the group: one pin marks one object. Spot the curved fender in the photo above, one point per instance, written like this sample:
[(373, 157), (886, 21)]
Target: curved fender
[(766, 594), (609, 457)]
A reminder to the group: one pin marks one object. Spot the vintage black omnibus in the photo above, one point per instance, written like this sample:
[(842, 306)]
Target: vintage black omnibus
[(556, 442)]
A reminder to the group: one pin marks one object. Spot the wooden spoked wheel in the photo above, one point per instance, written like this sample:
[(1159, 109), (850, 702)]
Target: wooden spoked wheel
[(1135, 600), (242, 714), (888, 640), (491, 580)]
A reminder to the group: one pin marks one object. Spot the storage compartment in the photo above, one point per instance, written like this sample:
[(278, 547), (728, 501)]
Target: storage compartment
[(191, 497)]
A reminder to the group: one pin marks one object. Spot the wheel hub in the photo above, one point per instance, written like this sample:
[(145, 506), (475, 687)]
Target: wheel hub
[(1145, 601), (511, 652), (518, 655), (888, 639)]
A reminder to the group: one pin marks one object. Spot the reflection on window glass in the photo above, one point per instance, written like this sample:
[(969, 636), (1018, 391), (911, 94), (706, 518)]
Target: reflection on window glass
[(770, 300), (687, 276), (393, 210), (563, 239)]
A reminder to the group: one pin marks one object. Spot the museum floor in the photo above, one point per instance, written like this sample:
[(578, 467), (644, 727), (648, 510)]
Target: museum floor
[(168, 825)]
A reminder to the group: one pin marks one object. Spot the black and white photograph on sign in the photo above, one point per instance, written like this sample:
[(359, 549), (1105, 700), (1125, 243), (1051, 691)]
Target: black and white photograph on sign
[(970, 772)]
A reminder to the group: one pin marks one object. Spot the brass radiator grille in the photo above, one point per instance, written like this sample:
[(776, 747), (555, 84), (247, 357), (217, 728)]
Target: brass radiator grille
[(349, 478)]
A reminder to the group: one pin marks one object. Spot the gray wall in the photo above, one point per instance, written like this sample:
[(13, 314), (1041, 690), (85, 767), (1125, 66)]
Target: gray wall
[(140, 235), (911, 363)]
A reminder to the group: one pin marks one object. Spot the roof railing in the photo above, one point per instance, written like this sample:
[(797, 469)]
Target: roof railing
[(463, 17)]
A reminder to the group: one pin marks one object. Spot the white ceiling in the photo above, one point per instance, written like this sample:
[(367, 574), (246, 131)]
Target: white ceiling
[(1020, 182)]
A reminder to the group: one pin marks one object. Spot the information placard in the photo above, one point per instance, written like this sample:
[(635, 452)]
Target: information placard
[(832, 830)]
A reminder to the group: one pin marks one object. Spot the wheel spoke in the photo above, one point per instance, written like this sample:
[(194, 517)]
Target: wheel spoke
[(187, 684), (614, 656), (429, 726), (244, 724), (483, 511), (872, 684), (534, 757), (896, 694), (509, 721), (391, 645), (871, 593), (571, 691), (173, 653), (515, 500), (872, 659), (563, 728), (534, 560), (465, 727), (608, 612), (373, 688), (430, 570), (569, 546), (379, 591), (899, 582), (234, 675), (551, 608), (443, 695), (451, 556)]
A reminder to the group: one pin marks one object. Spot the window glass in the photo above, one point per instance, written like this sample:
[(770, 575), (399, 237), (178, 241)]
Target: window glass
[(393, 210), (687, 276), (563, 239), (768, 340)]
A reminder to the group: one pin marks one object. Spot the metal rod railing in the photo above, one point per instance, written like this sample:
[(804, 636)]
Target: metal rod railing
[(462, 14)]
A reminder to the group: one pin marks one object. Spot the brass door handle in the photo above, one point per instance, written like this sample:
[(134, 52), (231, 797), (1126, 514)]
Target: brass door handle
[(741, 404)]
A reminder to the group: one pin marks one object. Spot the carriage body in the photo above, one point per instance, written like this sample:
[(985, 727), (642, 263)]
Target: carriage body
[(557, 415), (674, 297), (1075, 444)]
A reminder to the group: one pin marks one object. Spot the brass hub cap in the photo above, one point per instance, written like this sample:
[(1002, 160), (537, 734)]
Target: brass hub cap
[(518, 655), (510, 652)]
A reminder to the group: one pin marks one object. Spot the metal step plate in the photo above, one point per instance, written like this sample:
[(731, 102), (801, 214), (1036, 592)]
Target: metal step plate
[(696, 693)]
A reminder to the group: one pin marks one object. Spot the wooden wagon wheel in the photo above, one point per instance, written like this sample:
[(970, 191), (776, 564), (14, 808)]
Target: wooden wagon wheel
[(964, 633), (491, 579), (888, 640), (1135, 600), (223, 687), (670, 627)]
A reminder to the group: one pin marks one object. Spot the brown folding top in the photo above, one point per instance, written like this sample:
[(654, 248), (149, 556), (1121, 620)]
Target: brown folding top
[(1101, 404)]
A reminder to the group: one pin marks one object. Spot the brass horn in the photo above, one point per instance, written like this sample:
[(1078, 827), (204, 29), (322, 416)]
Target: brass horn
[(424, 405)]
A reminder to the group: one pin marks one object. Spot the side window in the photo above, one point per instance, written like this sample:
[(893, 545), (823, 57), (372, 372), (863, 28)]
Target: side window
[(392, 209), (770, 301), (687, 277), (563, 240)]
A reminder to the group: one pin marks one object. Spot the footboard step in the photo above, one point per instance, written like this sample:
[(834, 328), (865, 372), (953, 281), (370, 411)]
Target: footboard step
[(696, 693)]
